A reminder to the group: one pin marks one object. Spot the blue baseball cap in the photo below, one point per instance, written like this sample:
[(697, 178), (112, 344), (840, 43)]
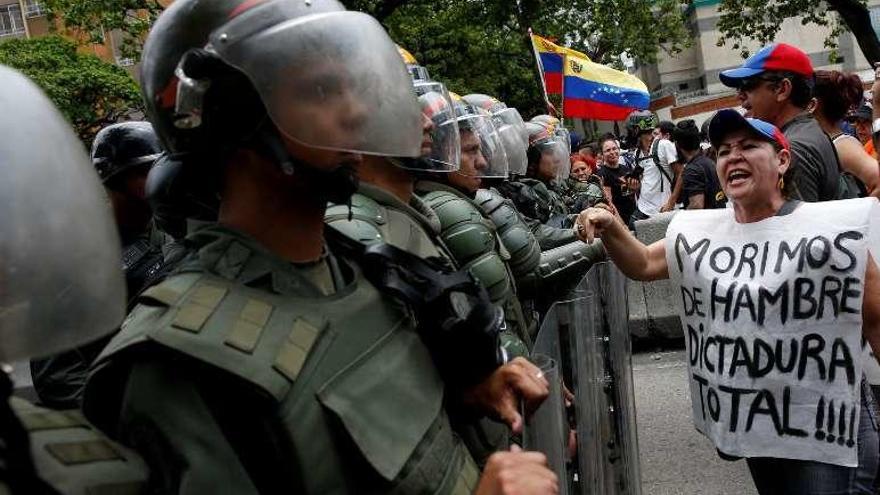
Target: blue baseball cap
[(728, 120), (776, 57)]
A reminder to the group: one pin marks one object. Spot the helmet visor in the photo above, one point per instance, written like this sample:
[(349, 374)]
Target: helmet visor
[(553, 163), (512, 117), (482, 150), (441, 145), (511, 137), (333, 81), (61, 280)]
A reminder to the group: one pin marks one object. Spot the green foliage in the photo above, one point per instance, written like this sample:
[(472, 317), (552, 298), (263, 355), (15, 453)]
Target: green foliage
[(91, 93), (760, 20), (482, 46), (95, 18)]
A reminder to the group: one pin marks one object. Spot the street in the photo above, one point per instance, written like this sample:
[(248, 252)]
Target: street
[(675, 458)]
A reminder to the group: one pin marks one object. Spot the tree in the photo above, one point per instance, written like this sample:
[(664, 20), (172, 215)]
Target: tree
[(94, 19), (482, 46), (760, 20), (91, 93)]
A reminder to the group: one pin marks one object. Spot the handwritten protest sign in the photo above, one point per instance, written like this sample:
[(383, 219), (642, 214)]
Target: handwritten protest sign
[(772, 313)]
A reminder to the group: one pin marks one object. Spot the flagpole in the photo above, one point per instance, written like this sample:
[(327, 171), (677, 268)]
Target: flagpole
[(561, 112), (540, 69)]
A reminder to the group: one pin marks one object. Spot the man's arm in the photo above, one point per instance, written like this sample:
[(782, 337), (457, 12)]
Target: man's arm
[(871, 306)]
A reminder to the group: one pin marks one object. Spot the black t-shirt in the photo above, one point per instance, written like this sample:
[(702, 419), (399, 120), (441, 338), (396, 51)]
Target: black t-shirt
[(625, 203), (700, 177), (814, 174)]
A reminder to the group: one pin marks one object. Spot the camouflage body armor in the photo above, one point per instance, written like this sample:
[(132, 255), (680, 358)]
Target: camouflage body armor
[(379, 216), (473, 240), (292, 376), (544, 273), (580, 195)]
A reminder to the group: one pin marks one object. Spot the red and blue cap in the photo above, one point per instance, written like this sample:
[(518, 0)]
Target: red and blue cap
[(776, 57), (728, 120)]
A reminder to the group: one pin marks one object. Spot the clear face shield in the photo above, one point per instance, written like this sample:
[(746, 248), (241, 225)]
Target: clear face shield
[(514, 147), (554, 163), (512, 117), (441, 144), (61, 282), (482, 149), (333, 81)]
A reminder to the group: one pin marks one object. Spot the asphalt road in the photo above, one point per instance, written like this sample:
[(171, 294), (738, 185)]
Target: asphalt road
[(675, 458)]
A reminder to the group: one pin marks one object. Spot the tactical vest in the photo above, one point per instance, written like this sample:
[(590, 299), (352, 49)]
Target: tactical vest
[(74, 458), (352, 390), (378, 216), (579, 195)]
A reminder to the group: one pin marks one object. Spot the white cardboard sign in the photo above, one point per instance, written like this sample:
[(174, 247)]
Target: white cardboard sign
[(772, 314)]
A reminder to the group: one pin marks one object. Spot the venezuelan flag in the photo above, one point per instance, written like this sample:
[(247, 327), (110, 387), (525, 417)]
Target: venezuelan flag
[(552, 60), (595, 91)]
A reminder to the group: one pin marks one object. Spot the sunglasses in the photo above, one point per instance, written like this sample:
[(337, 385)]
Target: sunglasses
[(753, 82)]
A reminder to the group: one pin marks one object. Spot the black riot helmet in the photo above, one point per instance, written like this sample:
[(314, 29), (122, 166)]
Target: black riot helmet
[(119, 147), (215, 72)]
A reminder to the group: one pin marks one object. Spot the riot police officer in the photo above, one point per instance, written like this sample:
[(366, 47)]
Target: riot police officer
[(266, 361), (60, 287), (122, 154)]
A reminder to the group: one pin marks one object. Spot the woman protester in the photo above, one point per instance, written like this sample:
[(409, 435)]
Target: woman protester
[(775, 298), (836, 94)]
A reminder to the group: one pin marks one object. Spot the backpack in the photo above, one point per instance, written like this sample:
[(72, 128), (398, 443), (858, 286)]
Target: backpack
[(655, 147)]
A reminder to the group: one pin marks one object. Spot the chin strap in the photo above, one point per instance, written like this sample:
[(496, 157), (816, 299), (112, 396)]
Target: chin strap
[(336, 186)]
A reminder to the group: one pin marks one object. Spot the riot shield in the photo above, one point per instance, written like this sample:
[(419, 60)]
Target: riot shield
[(547, 428), (588, 334), (625, 447)]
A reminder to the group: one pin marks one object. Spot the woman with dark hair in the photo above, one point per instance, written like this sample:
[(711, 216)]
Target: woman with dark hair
[(752, 280), (836, 94)]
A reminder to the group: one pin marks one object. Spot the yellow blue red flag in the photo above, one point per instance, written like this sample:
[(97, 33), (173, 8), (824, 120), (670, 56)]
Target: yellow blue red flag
[(595, 91), (551, 60)]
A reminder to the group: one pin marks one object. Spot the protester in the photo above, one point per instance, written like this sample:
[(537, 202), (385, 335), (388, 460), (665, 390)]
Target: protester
[(836, 93), (618, 178), (701, 189), (773, 416), (860, 118), (775, 85), (656, 162)]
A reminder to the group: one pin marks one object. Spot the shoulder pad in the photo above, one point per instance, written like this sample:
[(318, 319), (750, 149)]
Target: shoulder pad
[(263, 338), (362, 221), (452, 209), (517, 238), (74, 457)]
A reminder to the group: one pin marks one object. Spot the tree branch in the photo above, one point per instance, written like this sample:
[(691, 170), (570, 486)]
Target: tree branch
[(857, 18)]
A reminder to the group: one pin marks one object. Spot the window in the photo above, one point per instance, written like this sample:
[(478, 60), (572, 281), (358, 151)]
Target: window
[(33, 8), (683, 86), (11, 22)]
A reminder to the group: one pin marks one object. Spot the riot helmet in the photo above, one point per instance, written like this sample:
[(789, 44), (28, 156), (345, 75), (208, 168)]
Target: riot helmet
[(441, 143), (326, 78), (417, 71), (547, 161), (558, 128), (511, 129), (120, 147), (480, 142), (642, 121), (61, 282)]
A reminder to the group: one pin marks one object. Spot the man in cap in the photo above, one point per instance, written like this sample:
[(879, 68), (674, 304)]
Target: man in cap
[(269, 361), (775, 85)]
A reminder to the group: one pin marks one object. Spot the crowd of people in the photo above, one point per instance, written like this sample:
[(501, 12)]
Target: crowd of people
[(335, 268)]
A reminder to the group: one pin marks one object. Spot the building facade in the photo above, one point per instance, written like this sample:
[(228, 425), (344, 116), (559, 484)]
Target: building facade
[(687, 86)]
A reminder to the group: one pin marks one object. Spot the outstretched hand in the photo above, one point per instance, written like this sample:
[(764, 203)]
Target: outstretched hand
[(592, 222)]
